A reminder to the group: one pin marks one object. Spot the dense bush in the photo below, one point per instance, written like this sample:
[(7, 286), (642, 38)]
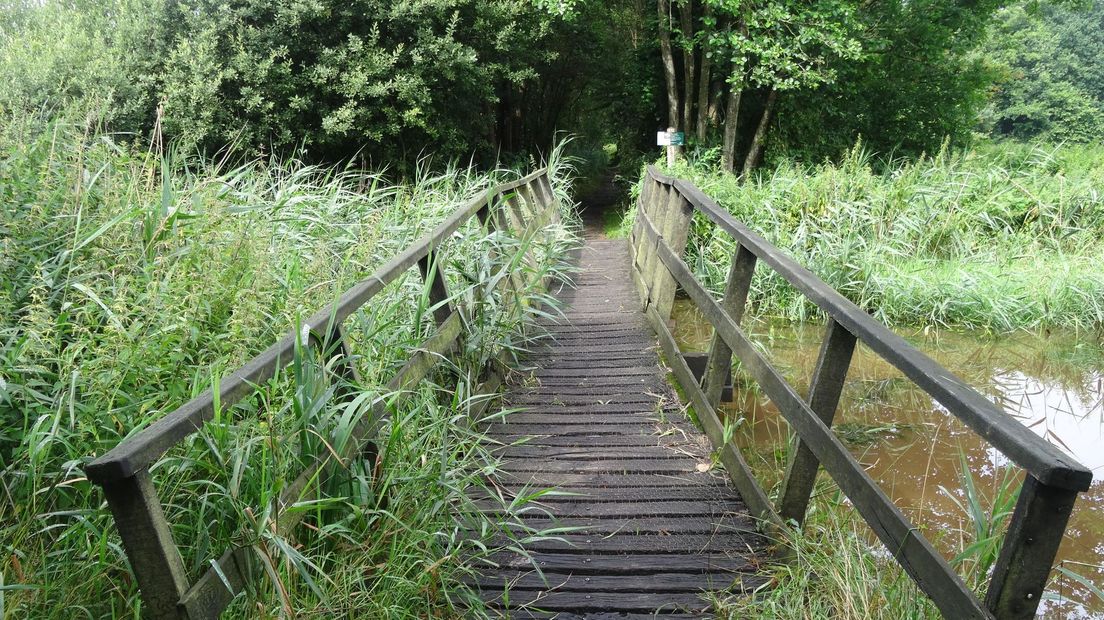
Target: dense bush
[(389, 79)]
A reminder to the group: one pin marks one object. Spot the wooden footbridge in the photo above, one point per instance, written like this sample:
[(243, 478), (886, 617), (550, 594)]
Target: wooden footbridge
[(655, 528)]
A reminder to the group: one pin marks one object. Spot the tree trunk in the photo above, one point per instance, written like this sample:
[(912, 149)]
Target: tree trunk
[(756, 149), (664, 9), (686, 18), (732, 116), (716, 97), (704, 83)]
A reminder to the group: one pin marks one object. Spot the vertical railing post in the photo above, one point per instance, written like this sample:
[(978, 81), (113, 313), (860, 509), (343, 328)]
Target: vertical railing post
[(511, 205), (149, 545), (434, 276), (676, 229), (824, 395), (337, 345), (529, 195), (1027, 555), (551, 203), (637, 238), (734, 301), (654, 210)]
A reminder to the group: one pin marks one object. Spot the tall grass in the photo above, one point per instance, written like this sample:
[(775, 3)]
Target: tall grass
[(131, 281), (1001, 238), (836, 568)]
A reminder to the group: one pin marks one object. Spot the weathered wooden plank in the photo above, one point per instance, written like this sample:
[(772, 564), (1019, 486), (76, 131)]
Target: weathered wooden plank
[(524, 430), (536, 398), (676, 435), (587, 408), (657, 466), (618, 564), (544, 373), (664, 582), (690, 493), (635, 526), (588, 452), (737, 542), (1034, 535), (824, 394), (148, 541), (638, 602), (209, 596)]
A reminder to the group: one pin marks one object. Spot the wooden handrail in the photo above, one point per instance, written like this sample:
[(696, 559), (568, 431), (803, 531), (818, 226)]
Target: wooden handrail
[(123, 472), (1050, 488)]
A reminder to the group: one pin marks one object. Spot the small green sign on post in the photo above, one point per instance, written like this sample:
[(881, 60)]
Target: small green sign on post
[(670, 138)]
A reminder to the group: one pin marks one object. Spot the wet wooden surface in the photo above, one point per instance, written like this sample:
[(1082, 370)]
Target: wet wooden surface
[(655, 533)]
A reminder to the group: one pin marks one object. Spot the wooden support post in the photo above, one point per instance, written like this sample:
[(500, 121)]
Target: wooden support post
[(676, 229), (649, 259), (824, 394), (148, 541), (539, 214), (654, 266), (434, 276), (551, 203), (637, 238), (1032, 541), (735, 299), (344, 368), (514, 213)]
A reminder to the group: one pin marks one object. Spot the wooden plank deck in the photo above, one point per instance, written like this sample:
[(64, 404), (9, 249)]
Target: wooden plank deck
[(654, 532)]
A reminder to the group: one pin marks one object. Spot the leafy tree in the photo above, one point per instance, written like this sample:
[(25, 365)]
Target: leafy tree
[(396, 77), (1051, 80), (918, 82)]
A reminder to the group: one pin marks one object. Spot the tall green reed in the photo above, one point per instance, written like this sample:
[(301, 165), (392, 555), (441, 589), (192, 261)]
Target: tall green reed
[(130, 282), (1001, 238)]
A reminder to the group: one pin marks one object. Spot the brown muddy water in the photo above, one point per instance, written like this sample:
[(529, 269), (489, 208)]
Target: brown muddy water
[(1052, 383)]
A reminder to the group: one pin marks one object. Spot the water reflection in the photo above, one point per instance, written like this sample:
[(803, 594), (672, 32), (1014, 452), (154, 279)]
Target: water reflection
[(1052, 383)]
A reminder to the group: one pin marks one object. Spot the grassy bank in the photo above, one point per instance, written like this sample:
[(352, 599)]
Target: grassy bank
[(1001, 238), (132, 280)]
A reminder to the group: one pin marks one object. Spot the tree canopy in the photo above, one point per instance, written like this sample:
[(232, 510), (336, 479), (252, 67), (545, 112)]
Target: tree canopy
[(390, 81)]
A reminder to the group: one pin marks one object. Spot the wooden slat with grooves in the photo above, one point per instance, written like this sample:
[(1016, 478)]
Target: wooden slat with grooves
[(652, 528)]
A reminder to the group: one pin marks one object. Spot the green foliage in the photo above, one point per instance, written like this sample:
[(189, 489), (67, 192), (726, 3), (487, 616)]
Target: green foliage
[(1050, 84), (97, 56), (129, 283), (785, 44), (997, 239), (335, 75), (331, 77), (917, 83)]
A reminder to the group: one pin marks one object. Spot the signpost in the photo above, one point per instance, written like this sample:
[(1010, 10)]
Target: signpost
[(672, 140)]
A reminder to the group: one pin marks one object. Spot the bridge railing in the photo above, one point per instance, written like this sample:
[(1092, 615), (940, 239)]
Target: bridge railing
[(525, 206), (1052, 479)]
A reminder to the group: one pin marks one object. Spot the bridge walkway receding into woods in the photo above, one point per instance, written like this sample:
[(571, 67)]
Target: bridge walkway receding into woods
[(653, 528)]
